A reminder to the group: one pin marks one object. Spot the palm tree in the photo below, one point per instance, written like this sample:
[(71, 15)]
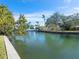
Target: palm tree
[(37, 25), (29, 24), (43, 16)]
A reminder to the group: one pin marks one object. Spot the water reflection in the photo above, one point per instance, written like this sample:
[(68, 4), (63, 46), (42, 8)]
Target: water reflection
[(38, 45)]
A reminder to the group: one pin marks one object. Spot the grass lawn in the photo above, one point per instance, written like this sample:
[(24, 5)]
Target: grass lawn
[(2, 49)]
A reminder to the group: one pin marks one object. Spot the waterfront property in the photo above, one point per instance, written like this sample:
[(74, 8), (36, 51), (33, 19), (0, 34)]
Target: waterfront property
[(77, 28), (34, 30)]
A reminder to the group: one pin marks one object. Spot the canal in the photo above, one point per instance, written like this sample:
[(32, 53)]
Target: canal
[(39, 45)]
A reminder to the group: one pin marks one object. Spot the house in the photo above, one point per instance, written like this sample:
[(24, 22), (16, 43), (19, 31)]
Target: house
[(77, 27)]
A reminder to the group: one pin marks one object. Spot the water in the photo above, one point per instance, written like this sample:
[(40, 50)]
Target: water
[(39, 45)]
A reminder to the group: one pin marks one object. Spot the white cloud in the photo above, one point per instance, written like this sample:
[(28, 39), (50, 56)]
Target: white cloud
[(63, 7), (71, 11), (67, 1), (76, 8), (37, 16)]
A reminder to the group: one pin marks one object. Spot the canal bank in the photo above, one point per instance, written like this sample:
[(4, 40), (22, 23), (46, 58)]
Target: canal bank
[(59, 32), (11, 52)]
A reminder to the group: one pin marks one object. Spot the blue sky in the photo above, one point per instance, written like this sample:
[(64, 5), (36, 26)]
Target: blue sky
[(33, 9), (29, 6)]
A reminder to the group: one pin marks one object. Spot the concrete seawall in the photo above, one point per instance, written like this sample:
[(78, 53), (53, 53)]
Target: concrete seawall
[(11, 52), (60, 32)]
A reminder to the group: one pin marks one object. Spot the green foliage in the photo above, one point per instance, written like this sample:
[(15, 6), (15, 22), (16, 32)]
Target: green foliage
[(21, 20), (31, 27), (66, 26), (37, 26), (59, 20), (6, 21), (53, 21), (65, 23), (22, 26), (43, 16)]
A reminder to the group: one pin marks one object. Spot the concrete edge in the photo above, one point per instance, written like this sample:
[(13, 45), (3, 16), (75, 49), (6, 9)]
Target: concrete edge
[(60, 32), (11, 51)]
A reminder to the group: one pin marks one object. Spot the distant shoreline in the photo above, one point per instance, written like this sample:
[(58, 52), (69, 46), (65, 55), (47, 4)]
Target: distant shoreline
[(60, 32)]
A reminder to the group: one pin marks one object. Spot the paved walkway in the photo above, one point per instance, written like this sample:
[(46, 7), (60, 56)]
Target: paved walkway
[(11, 52)]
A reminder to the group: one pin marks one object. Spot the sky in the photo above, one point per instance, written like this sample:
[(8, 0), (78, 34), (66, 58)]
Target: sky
[(33, 9)]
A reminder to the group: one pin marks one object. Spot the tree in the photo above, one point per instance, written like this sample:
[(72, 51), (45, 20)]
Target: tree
[(43, 16), (22, 25), (64, 25), (31, 26), (6, 21), (54, 20), (37, 26), (59, 22), (22, 20)]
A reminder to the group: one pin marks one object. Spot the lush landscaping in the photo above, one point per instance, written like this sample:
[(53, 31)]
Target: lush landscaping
[(8, 25), (60, 22), (2, 49)]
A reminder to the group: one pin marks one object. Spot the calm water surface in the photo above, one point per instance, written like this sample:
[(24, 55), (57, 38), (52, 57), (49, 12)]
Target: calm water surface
[(39, 45)]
